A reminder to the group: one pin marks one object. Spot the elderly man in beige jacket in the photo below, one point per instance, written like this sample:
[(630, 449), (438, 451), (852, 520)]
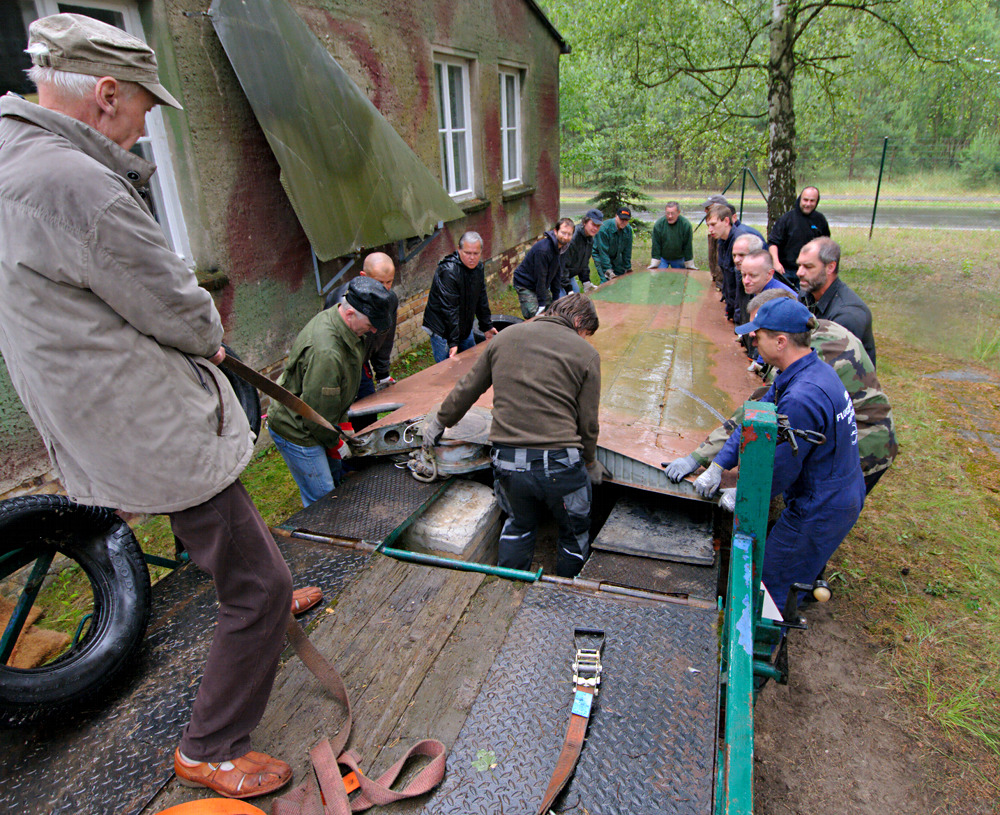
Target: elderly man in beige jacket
[(110, 344)]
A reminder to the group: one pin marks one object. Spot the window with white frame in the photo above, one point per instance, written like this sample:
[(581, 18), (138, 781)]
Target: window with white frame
[(510, 126), (451, 78), (163, 199)]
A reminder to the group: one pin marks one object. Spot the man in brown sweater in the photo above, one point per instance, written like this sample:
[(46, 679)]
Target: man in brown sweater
[(546, 381)]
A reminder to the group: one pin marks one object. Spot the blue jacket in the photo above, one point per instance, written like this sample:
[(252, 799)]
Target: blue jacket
[(823, 487), (541, 270)]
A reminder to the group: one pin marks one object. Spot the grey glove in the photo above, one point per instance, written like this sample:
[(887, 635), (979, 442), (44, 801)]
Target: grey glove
[(728, 499), (598, 472), (680, 467), (432, 430), (708, 482)]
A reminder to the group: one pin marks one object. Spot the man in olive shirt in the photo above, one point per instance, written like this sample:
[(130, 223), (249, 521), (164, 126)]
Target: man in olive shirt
[(546, 381), (324, 369)]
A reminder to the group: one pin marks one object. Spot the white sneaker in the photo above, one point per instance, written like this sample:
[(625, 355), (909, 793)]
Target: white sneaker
[(588, 287)]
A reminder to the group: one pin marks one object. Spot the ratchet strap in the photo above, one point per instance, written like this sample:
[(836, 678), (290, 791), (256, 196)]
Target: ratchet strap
[(325, 792), (586, 679)]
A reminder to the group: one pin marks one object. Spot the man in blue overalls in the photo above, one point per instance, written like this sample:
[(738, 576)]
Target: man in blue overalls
[(823, 487)]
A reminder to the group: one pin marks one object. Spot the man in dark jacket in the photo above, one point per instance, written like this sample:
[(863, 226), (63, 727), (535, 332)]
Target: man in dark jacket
[(538, 278), (378, 346), (794, 230), (546, 381), (613, 246), (458, 293), (725, 228), (829, 297), (576, 261)]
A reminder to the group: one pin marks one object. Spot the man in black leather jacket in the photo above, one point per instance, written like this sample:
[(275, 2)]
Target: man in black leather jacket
[(458, 293)]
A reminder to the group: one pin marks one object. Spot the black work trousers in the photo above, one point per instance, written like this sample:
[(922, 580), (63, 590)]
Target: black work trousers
[(227, 538), (549, 484)]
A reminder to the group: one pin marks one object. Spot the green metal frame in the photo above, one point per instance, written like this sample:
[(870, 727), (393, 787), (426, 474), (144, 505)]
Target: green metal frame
[(742, 626)]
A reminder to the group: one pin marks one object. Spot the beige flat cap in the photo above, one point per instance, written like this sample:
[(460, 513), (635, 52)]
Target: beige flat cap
[(83, 45)]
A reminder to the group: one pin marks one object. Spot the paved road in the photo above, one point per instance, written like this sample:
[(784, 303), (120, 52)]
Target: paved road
[(842, 216)]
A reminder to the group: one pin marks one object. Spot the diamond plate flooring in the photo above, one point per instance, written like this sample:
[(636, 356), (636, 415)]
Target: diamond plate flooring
[(367, 506), (651, 744), (115, 756)]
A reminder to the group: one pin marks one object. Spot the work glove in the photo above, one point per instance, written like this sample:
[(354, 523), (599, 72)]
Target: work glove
[(728, 499), (385, 383), (432, 430), (708, 482), (680, 467), (598, 472)]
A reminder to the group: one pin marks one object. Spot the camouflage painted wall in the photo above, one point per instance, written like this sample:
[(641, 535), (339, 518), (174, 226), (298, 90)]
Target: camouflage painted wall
[(237, 216)]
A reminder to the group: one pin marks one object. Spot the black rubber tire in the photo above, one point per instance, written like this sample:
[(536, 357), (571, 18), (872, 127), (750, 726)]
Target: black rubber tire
[(107, 551), (246, 393), (500, 322)]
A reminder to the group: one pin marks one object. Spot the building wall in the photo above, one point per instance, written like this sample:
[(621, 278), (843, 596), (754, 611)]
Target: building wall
[(244, 235)]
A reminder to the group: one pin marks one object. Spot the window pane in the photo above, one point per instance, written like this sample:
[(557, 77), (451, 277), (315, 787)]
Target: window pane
[(456, 92), (511, 102), (445, 167), (439, 83), (512, 169), (461, 162), (108, 16)]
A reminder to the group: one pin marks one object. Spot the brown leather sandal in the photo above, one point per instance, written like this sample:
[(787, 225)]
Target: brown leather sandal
[(250, 775), (306, 598)]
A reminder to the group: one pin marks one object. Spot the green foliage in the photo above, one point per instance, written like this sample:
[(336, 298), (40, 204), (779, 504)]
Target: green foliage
[(981, 160), (683, 86)]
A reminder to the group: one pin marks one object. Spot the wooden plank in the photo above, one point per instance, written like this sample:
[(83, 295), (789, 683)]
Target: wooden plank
[(383, 634), (446, 695)]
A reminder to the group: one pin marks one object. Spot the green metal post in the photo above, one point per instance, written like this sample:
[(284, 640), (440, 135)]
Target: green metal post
[(19, 616), (734, 780), (878, 186)]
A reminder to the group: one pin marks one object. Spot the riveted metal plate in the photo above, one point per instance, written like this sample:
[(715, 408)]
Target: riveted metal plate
[(661, 576), (651, 743), (115, 755), (367, 506), (659, 527)]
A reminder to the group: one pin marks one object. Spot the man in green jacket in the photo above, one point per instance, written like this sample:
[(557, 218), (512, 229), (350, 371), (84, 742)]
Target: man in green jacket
[(324, 369), (672, 245), (613, 246), (546, 381)]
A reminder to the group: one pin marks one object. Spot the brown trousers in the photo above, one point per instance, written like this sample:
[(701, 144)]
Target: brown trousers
[(227, 538)]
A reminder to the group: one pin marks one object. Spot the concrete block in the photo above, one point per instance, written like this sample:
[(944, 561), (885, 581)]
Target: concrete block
[(463, 524)]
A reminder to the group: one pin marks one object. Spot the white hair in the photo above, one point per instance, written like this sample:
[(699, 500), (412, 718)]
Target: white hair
[(73, 86), (750, 241)]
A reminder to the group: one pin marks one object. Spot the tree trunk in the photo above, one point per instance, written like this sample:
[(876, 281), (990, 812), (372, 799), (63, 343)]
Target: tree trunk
[(781, 111)]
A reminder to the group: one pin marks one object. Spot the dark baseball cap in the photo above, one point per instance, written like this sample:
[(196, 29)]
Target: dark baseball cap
[(624, 213), (716, 199), (82, 45), (783, 314), (369, 297), (595, 215)]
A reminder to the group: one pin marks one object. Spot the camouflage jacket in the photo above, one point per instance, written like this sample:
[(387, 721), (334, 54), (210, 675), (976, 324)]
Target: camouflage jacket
[(839, 348)]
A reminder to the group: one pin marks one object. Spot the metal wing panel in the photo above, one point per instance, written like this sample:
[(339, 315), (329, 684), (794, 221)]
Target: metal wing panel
[(352, 180)]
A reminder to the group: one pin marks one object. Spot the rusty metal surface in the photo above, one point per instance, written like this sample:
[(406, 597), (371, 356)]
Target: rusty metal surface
[(671, 371), (115, 755), (661, 576), (659, 527), (641, 755)]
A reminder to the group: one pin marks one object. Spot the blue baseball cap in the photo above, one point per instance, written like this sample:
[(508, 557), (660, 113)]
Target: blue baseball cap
[(783, 314), (595, 215)]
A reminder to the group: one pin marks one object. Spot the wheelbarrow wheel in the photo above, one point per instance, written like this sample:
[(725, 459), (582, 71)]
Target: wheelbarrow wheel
[(112, 586)]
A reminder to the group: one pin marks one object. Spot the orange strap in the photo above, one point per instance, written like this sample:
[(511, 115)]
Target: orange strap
[(325, 793), (576, 734)]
